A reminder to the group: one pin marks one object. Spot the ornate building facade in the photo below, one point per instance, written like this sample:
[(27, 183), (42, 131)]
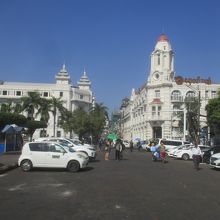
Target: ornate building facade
[(149, 113), (80, 95)]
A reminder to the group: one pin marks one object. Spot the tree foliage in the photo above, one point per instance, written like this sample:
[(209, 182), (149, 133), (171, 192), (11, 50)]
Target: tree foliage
[(32, 125), (213, 113), (85, 123), (12, 118)]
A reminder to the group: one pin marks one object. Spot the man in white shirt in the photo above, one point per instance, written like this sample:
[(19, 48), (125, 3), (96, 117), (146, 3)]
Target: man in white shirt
[(197, 154)]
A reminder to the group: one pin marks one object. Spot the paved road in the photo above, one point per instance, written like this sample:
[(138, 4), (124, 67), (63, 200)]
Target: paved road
[(135, 189)]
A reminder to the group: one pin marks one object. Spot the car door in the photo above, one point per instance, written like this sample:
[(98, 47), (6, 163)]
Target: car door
[(38, 152), (56, 156)]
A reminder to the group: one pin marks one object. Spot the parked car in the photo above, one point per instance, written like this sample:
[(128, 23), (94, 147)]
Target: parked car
[(78, 142), (144, 145), (170, 152), (50, 155), (169, 143), (90, 151), (209, 152), (183, 153), (126, 143), (215, 161)]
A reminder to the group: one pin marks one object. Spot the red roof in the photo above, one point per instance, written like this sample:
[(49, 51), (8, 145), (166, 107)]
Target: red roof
[(163, 37), (156, 101)]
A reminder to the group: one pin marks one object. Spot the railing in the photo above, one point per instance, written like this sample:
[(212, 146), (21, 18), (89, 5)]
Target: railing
[(176, 98)]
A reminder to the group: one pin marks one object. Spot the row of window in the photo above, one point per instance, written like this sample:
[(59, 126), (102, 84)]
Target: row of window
[(21, 93), (177, 96)]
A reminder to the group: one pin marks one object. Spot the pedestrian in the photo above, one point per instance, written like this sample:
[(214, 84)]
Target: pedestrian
[(107, 149), (162, 152), (100, 144), (139, 145), (197, 155), (131, 145), (118, 149)]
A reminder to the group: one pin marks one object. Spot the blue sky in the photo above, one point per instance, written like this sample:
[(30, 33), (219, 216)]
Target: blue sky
[(111, 39)]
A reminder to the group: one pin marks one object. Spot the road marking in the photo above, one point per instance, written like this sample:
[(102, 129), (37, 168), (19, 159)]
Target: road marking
[(3, 175), (18, 187)]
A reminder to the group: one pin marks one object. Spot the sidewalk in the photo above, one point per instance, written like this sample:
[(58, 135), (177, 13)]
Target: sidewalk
[(8, 161)]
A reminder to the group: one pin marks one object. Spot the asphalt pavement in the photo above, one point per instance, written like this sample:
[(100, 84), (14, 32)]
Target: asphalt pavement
[(135, 188)]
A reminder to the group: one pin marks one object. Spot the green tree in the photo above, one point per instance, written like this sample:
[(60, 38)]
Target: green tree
[(192, 106), (32, 125), (6, 107), (97, 118), (44, 109), (213, 114), (79, 122), (31, 103), (12, 118), (56, 105)]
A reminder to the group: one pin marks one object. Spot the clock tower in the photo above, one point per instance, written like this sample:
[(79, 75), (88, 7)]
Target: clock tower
[(162, 62)]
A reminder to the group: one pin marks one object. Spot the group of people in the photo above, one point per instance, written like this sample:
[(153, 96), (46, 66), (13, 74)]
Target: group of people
[(158, 152), (119, 147)]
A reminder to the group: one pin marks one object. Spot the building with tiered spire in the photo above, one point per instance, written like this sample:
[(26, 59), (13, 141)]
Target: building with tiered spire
[(74, 97), (151, 109)]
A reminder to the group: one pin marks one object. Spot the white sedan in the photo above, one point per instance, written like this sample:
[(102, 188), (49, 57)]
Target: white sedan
[(90, 151), (185, 154)]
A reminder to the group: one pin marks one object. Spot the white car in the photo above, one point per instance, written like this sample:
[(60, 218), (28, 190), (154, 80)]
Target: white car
[(185, 154), (215, 161), (126, 143), (78, 142), (170, 152), (170, 143), (90, 151), (50, 155)]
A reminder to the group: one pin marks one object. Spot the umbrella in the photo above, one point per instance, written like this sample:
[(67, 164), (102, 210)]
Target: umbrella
[(137, 139), (112, 136)]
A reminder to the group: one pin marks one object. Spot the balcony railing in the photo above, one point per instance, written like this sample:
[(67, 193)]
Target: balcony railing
[(176, 98)]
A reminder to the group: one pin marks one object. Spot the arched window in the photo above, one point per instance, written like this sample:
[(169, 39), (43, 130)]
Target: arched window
[(176, 95), (190, 94)]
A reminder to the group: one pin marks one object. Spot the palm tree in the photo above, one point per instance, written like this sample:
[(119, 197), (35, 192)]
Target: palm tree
[(30, 103), (98, 116), (44, 109), (56, 105), (7, 107)]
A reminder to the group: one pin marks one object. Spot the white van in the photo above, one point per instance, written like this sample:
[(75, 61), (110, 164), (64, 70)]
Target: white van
[(169, 143)]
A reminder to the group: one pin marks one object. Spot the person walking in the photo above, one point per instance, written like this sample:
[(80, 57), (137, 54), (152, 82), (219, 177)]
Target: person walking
[(196, 154), (107, 149), (131, 145), (139, 146), (118, 149), (162, 152)]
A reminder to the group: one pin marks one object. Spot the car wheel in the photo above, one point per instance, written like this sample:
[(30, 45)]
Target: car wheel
[(185, 156), (26, 165), (73, 166)]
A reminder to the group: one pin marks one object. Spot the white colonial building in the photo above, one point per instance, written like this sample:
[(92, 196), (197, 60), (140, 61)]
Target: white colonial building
[(80, 95), (149, 111)]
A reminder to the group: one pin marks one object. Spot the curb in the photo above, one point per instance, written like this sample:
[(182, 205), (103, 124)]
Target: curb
[(6, 168)]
